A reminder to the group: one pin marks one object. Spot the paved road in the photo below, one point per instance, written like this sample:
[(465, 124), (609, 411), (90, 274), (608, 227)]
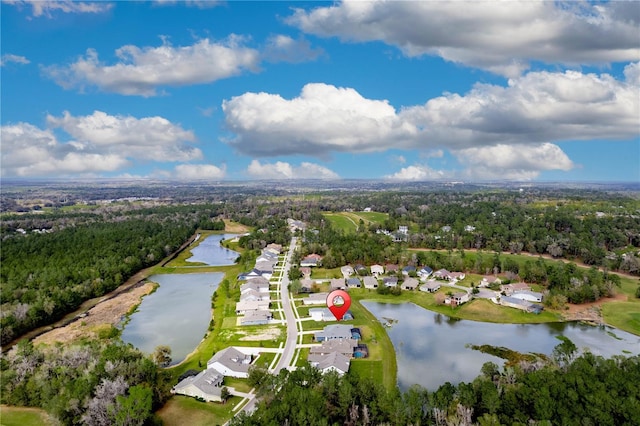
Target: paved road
[(292, 328)]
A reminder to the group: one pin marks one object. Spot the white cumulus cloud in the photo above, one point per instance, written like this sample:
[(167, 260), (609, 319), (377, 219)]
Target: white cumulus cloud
[(323, 118), (418, 173), (140, 71), (17, 59), (512, 162), (502, 37), (283, 170), (527, 115), (92, 145), (48, 7), (148, 138), (199, 172)]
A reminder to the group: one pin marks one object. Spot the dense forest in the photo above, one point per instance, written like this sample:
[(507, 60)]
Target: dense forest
[(45, 276), (93, 383), (564, 390)]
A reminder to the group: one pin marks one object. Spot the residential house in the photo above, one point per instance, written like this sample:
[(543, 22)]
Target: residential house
[(273, 246), (408, 270), (230, 362), (254, 286), (338, 284), (430, 286), (295, 225), (441, 274), (370, 282), (456, 276), (521, 304), (354, 282), (343, 346), (331, 362), (206, 385), (376, 270), (261, 281), (267, 272), (312, 260), (254, 295), (390, 281), (315, 299), (360, 269), (324, 314), (403, 229), (425, 272), (347, 271), (268, 257), (336, 331), (391, 268), (530, 296), (260, 317), (458, 298), (410, 284), (487, 280), (305, 271), (509, 289), (306, 285), (243, 306)]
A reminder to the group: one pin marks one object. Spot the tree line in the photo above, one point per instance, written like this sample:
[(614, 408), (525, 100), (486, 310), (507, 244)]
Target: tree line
[(98, 383), (45, 276), (563, 390)]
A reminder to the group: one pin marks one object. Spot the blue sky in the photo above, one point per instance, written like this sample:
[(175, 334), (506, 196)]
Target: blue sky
[(471, 91)]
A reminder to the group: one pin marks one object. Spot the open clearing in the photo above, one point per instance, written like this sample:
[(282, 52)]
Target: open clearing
[(104, 314)]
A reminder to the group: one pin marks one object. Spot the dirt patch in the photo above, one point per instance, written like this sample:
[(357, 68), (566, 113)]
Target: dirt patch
[(271, 333), (590, 312), (104, 314), (234, 227)]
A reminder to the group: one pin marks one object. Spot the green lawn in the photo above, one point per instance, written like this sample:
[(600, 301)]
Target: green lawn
[(182, 410), (368, 217), (23, 416), (623, 315), (342, 222)]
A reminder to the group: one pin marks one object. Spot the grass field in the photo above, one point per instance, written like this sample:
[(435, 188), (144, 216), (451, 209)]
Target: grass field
[(182, 410), (23, 416), (348, 222), (342, 222)]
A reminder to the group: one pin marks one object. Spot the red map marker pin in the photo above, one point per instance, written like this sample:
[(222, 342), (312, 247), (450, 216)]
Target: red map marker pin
[(338, 302)]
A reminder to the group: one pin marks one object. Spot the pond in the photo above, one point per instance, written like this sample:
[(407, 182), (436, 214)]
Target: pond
[(431, 347), (177, 314), (211, 253)]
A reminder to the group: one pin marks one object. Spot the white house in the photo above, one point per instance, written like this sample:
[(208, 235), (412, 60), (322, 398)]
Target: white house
[(370, 282), (347, 271), (206, 385), (458, 298), (315, 299), (430, 286), (530, 296), (409, 284), (230, 362), (321, 314), (376, 270), (244, 306), (332, 362)]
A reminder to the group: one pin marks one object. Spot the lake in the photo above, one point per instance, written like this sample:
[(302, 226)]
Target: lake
[(177, 314), (211, 253), (431, 347)]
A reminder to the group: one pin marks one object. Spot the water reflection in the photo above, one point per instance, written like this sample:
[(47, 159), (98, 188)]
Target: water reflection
[(177, 314), (211, 253), (431, 347)]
